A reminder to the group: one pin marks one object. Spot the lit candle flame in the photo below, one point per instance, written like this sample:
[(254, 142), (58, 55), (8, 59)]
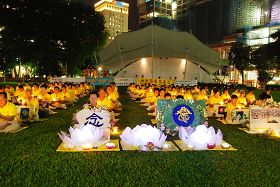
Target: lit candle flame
[(115, 130)]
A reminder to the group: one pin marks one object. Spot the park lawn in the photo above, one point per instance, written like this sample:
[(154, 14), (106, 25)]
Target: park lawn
[(29, 158)]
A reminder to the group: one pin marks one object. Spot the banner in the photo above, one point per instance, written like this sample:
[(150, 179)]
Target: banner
[(182, 113), (67, 79), (158, 82), (124, 81), (265, 119), (186, 83), (99, 81)]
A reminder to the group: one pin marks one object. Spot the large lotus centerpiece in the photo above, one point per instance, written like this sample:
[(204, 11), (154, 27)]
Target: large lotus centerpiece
[(201, 137), (144, 136), (93, 129)]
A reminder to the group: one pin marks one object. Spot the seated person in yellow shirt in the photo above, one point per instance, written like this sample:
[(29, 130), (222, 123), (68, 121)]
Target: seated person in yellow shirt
[(67, 99), (154, 97), (231, 106), (44, 97), (251, 99), (44, 102), (242, 101), (33, 103), (9, 89), (2, 89), (8, 115), (19, 95), (103, 100), (236, 92), (173, 92), (71, 91), (93, 100), (50, 88), (215, 99), (167, 96), (27, 86), (202, 95), (113, 96), (225, 96), (79, 92), (35, 90), (188, 94), (149, 95), (57, 99)]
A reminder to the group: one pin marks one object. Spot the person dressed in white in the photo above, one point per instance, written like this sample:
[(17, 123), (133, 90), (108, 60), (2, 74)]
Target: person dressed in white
[(8, 113)]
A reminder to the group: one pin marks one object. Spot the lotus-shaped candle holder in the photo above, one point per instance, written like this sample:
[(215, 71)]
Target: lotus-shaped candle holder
[(144, 136), (92, 130), (201, 137)]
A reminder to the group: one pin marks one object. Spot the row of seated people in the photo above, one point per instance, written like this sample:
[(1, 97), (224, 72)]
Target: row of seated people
[(107, 98), (41, 101), (150, 94)]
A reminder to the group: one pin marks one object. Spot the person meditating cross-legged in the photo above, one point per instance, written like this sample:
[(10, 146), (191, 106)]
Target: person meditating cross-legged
[(103, 100), (8, 112)]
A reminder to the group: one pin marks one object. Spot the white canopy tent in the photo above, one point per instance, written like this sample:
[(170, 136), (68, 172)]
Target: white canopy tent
[(157, 44)]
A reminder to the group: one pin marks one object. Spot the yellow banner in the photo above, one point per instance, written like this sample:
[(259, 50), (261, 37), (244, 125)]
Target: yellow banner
[(158, 82)]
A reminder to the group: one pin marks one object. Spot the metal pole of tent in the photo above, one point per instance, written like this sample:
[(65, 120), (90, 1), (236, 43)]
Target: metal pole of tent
[(186, 65), (154, 4)]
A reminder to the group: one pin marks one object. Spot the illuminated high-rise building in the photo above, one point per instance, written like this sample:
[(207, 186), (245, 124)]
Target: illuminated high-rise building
[(161, 12), (116, 16), (275, 11), (210, 20)]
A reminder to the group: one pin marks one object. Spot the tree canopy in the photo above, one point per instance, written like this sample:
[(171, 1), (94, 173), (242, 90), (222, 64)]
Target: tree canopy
[(49, 34), (239, 56)]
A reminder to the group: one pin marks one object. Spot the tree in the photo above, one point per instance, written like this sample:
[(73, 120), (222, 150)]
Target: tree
[(239, 56), (267, 60), (50, 33), (264, 77)]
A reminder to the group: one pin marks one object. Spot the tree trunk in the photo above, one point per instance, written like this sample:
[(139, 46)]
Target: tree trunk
[(242, 77)]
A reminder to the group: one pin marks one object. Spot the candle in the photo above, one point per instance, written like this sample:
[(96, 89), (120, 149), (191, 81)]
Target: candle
[(239, 106), (221, 103), (190, 146), (277, 134), (87, 146), (211, 145), (151, 90), (225, 146), (110, 145), (166, 146), (115, 130)]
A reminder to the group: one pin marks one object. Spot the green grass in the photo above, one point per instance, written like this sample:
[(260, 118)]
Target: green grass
[(28, 158)]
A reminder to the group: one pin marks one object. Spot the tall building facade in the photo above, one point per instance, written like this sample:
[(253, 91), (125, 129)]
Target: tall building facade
[(210, 20), (116, 16), (160, 12), (275, 11)]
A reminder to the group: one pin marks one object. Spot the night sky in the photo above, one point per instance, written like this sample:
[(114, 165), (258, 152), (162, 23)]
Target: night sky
[(133, 12)]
